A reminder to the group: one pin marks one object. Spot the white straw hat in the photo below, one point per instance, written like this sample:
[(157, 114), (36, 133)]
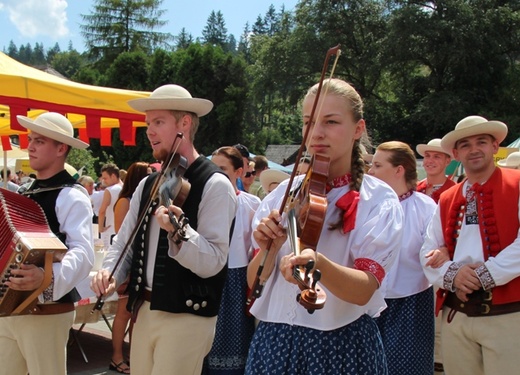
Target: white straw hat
[(512, 161), (470, 126), (172, 97), (54, 126), (434, 145), (271, 176)]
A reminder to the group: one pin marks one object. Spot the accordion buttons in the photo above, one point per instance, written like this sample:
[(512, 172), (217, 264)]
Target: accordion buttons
[(189, 303), (204, 303), (137, 288), (196, 307)]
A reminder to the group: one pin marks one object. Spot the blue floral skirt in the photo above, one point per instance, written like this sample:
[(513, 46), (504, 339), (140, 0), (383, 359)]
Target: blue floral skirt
[(281, 349), (234, 329), (407, 328)]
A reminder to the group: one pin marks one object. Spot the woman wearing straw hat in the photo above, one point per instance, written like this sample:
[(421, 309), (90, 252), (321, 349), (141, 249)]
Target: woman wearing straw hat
[(36, 343), (478, 222), (176, 281)]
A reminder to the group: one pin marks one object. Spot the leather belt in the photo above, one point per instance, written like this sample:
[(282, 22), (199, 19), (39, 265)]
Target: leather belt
[(147, 295), (52, 308), (480, 305)]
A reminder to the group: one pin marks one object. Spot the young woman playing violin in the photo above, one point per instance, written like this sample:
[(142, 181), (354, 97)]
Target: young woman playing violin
[(357, 245)]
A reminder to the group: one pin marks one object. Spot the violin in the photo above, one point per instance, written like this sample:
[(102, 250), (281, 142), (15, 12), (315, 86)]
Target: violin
[(306, 217), (170, 188), (306, 214), (174, 189)]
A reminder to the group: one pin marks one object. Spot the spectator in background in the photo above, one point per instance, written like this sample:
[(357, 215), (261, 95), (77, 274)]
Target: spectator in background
[(246, 157), (136, 172), (11, 186), (97, 199), (122, 175), (271, 178), (261, 164), (88, 183), (249, 177), (113, 186)]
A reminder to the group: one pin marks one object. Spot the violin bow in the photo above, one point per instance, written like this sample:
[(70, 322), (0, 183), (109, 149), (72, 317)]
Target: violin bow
[(155, 189), (268, 259)]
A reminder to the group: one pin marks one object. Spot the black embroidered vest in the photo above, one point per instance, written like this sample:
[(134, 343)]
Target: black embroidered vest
[(47, 201), (175, 288)]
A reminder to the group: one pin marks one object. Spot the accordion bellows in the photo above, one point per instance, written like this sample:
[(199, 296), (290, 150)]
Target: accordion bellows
[(25, 237)]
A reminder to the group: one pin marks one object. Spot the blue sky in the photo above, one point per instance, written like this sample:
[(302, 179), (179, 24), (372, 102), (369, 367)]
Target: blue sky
[(57, 21)]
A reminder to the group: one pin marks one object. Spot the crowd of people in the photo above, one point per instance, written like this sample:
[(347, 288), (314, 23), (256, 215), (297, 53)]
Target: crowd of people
[(416, 277)]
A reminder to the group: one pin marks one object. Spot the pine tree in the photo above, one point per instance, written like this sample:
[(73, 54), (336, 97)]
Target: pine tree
[(117, 26), (215, 31)]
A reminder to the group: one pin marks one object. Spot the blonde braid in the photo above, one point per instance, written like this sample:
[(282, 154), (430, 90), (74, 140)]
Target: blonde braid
[(357, 167)]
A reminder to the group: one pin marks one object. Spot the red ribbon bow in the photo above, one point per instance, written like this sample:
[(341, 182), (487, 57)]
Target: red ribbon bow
[(349, 203)]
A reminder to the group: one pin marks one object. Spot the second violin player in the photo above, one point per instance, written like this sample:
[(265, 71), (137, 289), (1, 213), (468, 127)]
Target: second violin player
[(357, 246), (175, 283)]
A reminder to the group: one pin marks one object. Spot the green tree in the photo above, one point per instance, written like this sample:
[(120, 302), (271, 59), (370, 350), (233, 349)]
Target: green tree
[(52, 52), (128, 71), (209, 72), (184, 39), (67, 63), (116, 26), (215, 31), (449, 59)]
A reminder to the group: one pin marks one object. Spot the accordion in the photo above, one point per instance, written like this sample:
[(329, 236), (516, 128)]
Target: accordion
[(25, 238)]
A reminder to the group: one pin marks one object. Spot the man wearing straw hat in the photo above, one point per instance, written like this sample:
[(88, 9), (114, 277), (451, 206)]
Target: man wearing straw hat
[(176, 280), (435, 162), (36, 343), (436, 182), (478, 222)]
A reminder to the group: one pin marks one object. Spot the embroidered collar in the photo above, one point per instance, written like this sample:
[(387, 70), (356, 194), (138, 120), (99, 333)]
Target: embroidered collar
[(339, 181), (406, 195)]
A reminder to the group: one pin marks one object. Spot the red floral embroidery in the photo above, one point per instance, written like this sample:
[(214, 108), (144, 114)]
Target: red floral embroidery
[(369, 265)]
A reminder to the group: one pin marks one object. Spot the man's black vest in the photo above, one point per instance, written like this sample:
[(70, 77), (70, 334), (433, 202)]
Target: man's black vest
[(175, 288), (47, 201)]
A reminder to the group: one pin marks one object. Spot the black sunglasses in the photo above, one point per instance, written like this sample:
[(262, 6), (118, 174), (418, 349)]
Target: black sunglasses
[(249, 174)]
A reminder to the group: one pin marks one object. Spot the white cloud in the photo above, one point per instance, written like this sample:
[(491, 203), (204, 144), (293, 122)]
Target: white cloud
[(35, 18)]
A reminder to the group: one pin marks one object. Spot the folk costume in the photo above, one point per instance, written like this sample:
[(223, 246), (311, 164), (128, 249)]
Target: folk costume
[(407, 325), (235, 328), (422, 187), (480, 224), (37, 343), (174, 293), (341, 338)]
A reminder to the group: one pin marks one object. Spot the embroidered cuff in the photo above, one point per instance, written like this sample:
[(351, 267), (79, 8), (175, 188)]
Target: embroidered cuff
[(485, 277), (369, 265), (449, 276)]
